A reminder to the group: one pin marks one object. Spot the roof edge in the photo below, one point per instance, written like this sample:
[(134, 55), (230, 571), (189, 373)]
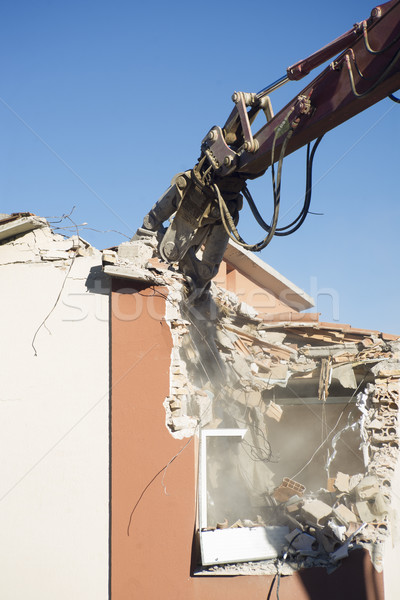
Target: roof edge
[(267, 277), (16, 225)]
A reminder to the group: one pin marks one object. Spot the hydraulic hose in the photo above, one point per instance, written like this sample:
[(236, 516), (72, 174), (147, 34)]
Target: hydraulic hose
[(226, 217)]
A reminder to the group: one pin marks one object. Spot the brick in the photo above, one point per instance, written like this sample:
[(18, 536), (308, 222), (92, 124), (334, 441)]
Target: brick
[(316, 511)]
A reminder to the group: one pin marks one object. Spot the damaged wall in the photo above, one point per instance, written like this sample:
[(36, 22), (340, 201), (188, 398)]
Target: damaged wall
[(54, 415), (154, 484), (289, 387), (231, 369)]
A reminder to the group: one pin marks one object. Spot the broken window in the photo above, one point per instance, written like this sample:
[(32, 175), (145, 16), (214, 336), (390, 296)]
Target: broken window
[(254, 479), (225, 498)]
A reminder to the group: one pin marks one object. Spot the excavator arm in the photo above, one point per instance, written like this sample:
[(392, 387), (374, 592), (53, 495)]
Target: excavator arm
[(205, 201)]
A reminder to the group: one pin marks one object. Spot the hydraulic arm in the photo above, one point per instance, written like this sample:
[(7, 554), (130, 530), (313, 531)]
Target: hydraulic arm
[(206, 200)]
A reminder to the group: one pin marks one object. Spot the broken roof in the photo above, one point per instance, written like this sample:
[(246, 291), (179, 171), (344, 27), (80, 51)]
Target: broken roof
[(19, 223)]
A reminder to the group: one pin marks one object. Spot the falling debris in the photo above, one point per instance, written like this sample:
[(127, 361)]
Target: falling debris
[(287, 489), (274, 411)]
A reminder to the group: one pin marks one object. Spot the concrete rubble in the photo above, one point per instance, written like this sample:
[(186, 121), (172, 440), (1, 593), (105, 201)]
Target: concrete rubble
[(27, 239), (334, 385)]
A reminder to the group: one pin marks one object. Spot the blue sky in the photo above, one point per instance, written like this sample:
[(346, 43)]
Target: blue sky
[(102, 103)]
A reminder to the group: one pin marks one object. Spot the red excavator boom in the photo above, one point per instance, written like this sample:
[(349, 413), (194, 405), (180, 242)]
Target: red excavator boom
[(206, 200)]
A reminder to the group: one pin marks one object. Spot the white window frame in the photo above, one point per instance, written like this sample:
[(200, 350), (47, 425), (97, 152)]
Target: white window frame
[(232, 545)]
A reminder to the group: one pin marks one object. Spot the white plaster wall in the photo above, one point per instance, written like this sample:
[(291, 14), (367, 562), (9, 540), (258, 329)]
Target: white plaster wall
[(53, 430)]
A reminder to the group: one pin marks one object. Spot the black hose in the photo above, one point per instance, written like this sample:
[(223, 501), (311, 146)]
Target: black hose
[(377, 82), (368, 47), (296, 224), (393, 97), (226, 217)]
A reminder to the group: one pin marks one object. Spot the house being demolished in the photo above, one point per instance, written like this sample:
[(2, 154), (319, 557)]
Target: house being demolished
[(251, 442), (297, 423)]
